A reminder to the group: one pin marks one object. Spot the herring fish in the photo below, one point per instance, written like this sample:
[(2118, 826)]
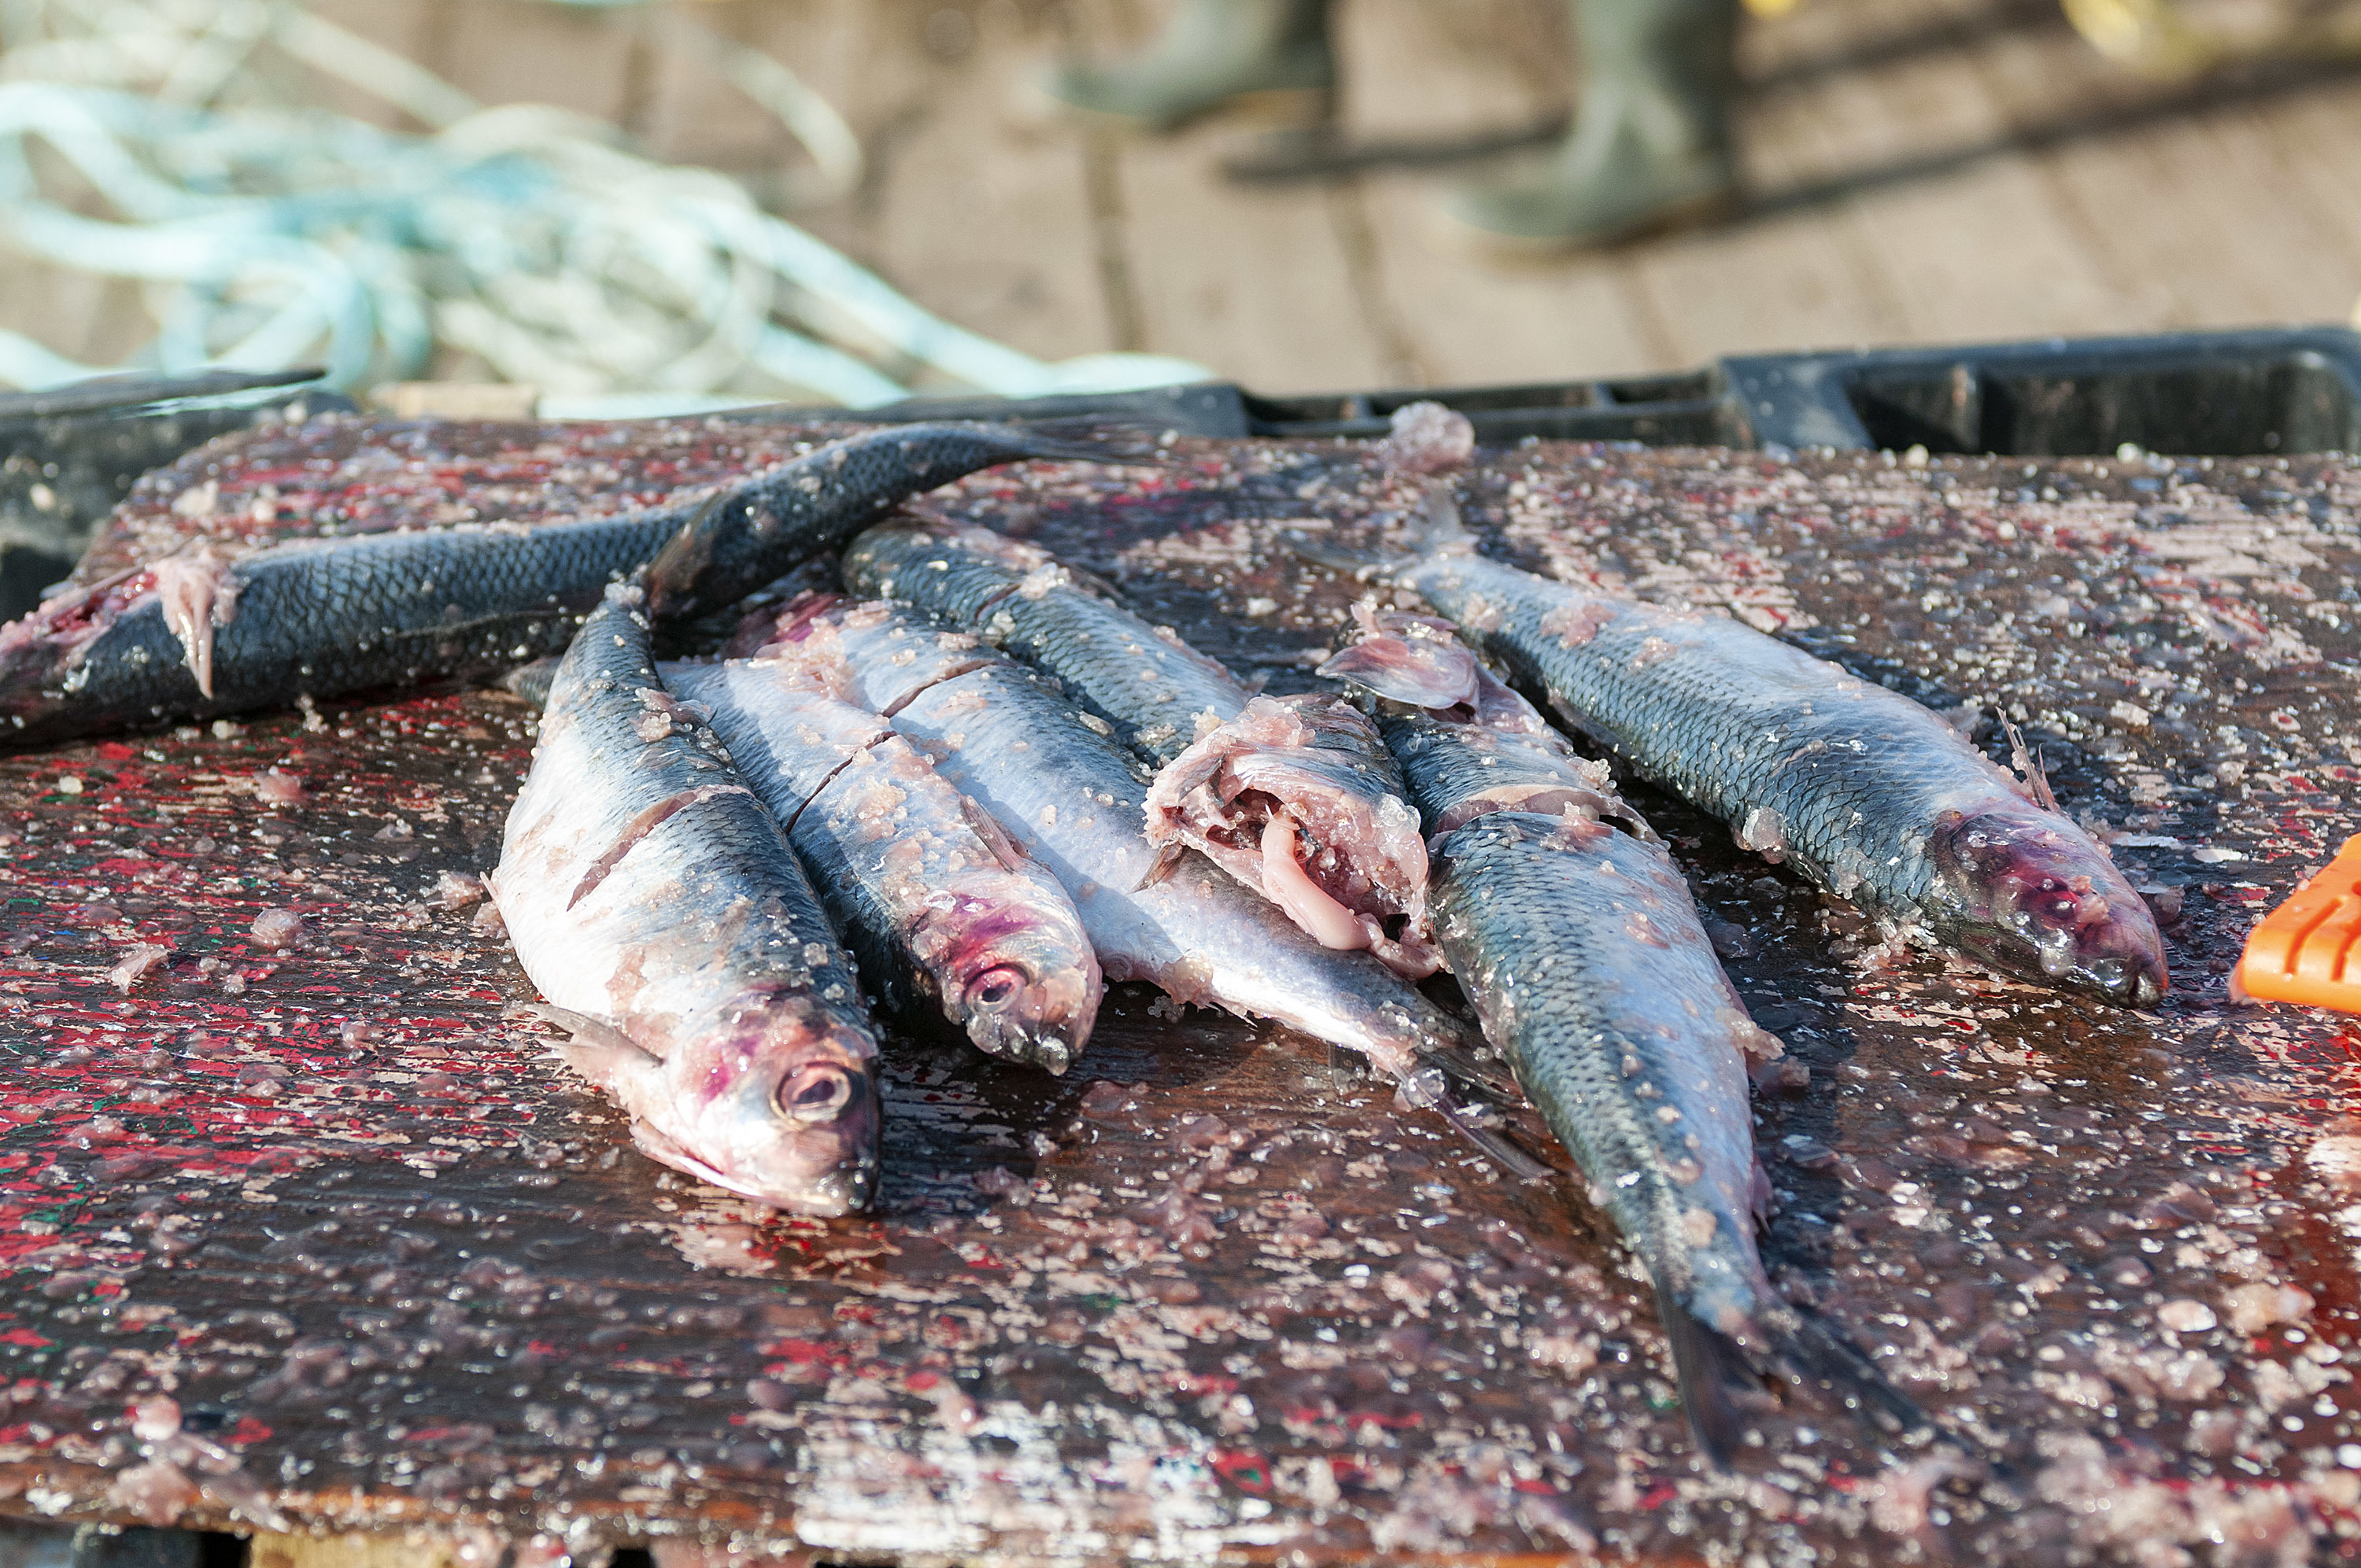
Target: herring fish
[(1577, 940), (1295, 796), (208, 630), (1871, 796), (943, 912), (1010, 740), (655, 903)]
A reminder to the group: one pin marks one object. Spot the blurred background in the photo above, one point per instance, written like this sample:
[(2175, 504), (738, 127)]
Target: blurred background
[(256, 183)]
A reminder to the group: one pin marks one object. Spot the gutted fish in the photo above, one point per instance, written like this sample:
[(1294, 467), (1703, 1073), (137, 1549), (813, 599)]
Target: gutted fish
[(1294, 796), (207, 630), (1577, 940), (1071, 796), (944, 911), (653, 898), (1869, 794)]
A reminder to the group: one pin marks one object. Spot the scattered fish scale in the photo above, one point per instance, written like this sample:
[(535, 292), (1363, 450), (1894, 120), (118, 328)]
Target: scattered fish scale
[(1868, 792), (945, 915), (208, 630), (654, 900), (1581, 948), (1071, 796), (1296, 797)]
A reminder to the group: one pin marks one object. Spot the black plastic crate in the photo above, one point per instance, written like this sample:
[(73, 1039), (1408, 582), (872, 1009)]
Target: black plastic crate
[(2199, 394), (67, 456)]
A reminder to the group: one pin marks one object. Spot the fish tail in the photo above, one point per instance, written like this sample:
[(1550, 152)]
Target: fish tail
[(1712, 1371), (1818, 1351), (1717, 1373), (1088, 439)]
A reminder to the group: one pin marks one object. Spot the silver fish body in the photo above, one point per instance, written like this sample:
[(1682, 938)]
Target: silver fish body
[(1294, 796), (945, 915), (1012, 741), (210, 630), (654, 900), (1868, 792), (1580, 945)]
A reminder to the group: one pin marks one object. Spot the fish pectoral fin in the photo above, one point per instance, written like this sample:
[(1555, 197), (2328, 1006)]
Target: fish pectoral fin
[(1161, 867), (659, 1146), (1497, 1147), (599, 1050), (981, 823)]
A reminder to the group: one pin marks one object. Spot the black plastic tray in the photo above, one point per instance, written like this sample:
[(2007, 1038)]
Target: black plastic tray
[(2283, 390), (69, 454)]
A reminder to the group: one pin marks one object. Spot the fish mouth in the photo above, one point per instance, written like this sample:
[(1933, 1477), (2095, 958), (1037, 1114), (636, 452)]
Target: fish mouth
[(1043, 1020), (2034, 898)]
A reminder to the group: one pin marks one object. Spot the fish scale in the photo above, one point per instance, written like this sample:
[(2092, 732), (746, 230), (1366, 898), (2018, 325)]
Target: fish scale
[(1150, 688), (321, 617), (1868, 792)]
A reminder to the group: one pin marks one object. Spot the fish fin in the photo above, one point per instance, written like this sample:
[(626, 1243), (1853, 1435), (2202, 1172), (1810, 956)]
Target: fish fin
[(1360, 565), (981, 823), (599, 1050), (1091, 438), (671, 577), (1462, 1068), (1161, 867), (1818, 1350), (1442, 528), (1712, 1373), (531, 682), (1495, 1146), (661, 1149), (1719, 1375), (2029, 766)]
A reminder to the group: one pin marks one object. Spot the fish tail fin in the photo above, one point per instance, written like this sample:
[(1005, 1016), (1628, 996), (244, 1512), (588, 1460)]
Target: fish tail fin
[(1712, 1372), (1089, 439), (1719, 1373), (1817, 1350)]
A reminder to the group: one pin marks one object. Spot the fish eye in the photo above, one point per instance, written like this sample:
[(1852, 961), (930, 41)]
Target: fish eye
[(816, 1093), (995, 987)]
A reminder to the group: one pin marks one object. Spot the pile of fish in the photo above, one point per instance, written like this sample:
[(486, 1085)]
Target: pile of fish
[(975, 786)]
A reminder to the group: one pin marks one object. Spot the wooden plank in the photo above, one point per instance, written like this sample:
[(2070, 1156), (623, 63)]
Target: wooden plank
[(508, 51), (985, 217), (1978, 252), (1470, 319)]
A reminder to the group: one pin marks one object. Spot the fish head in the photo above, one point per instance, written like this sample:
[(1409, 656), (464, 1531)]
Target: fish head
[(40, 650), (2032, 894), (1029, 985), (785, 1113)]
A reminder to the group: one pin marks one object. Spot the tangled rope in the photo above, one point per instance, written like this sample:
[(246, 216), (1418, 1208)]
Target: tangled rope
[(269, 232)]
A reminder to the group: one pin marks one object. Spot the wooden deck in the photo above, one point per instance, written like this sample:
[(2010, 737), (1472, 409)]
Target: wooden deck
[(1956, 171)]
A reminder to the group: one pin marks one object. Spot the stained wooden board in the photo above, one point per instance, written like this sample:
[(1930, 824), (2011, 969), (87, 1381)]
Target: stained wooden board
[(1213, 1293)]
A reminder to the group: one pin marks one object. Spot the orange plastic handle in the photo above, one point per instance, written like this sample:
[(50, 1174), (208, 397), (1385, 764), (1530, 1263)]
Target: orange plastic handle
[(2303, 950)]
